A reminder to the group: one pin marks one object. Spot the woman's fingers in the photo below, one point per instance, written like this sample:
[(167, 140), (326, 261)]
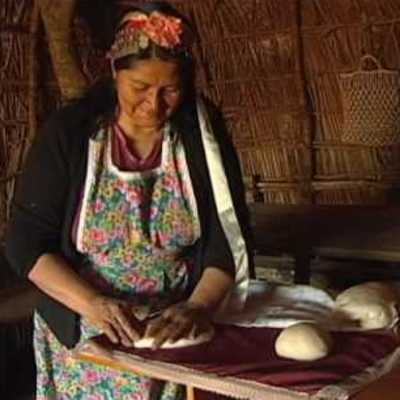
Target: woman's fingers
[(180, 331), (127, 327), (109, 332), (169, 327), (164, 335), (122, 325), (111, 316), (176, 322), (123, 337), (155, 326)]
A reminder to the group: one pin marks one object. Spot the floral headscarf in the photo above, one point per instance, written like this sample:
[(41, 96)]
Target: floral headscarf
[(138, 30)]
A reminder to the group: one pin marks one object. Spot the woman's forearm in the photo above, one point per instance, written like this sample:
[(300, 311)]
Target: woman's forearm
[(212, 288), (54, 276)]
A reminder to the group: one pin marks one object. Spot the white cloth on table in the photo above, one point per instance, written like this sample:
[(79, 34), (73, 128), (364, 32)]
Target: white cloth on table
[(280, 306)]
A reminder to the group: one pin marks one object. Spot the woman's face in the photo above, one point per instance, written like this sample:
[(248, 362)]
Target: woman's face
[(149, 92)]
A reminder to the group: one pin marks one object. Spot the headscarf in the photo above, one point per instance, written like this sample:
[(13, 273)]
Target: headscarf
[(138, 30)]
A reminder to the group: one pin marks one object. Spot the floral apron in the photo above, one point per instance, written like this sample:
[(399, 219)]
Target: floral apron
[(133, 228)]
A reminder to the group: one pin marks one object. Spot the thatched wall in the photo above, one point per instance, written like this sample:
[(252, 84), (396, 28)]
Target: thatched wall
[(272, 65), (336, 33), (15, 50)]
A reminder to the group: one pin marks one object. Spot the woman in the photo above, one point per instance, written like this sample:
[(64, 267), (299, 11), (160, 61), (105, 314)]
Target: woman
[(130, 196)]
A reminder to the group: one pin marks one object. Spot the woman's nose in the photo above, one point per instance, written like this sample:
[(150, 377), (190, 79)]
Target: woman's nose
[(153, 99)]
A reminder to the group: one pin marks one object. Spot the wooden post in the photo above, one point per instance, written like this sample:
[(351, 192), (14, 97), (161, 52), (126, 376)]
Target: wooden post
[(57, 17)]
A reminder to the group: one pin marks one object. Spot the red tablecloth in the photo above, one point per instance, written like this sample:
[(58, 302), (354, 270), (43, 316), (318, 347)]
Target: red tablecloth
[(248, 354)]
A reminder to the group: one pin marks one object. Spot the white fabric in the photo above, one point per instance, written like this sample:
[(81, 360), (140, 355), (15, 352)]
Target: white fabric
[(226, 210), (280, 306)]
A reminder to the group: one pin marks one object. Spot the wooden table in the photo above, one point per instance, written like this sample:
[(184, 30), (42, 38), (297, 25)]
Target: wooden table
[(339, 232), (385, 388)]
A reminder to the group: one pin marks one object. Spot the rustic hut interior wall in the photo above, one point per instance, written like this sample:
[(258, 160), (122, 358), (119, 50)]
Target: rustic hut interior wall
[(309, 89), (289, 75)]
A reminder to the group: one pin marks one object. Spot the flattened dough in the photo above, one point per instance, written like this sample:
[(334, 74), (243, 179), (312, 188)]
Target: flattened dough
[(304, 341), (206, 336)]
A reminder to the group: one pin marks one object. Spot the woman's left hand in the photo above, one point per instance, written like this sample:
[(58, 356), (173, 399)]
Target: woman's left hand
[(178, 321)]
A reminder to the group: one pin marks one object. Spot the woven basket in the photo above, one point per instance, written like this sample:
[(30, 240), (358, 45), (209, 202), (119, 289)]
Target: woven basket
[(371, 103)]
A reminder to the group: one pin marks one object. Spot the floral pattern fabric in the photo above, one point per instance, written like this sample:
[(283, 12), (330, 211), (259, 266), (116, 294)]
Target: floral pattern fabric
[(134, 228)]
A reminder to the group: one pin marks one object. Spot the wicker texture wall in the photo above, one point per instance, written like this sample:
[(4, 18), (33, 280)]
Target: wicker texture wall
[(336, 34), (273, 68), (17, 42)]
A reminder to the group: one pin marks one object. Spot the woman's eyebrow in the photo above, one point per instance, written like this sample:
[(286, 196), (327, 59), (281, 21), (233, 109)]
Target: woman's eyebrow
[(133, 80), (144, 83)]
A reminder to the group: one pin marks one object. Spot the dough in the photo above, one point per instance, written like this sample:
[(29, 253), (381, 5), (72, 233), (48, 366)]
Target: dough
[(372, 304), (206, 336), (304, 341)]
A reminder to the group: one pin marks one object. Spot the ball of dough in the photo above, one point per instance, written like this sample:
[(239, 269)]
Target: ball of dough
[(304, 341), (372, 304), (369, 315)]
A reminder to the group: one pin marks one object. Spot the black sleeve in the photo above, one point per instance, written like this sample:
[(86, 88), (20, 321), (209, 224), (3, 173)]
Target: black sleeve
[(217, 251), (40, 200)]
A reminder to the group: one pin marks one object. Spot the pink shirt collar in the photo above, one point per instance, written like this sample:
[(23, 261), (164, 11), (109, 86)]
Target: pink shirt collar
[(125, 157)]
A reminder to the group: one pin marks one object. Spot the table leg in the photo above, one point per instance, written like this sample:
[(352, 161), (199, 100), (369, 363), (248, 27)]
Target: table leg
[(190, 395)]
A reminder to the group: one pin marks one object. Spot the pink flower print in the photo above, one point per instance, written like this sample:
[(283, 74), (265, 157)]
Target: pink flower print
[(98, 236), (145, 384), (153, 212), (133, 196), (170, 183), (122, 186), (118, 233), (102, 259), (59, 357), (127, 259), (91, 376), (98, 206), (159, 239), (163, 237), (148, 286), (95, 397), (133, 279)]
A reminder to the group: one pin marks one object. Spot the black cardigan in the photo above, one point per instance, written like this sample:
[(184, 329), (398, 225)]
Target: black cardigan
[(48, 193)]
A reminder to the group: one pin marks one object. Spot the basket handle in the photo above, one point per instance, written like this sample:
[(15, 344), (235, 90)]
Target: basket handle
[(365, 57)]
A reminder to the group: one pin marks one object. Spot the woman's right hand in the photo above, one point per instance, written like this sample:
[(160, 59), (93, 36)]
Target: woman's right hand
[(113, 317)]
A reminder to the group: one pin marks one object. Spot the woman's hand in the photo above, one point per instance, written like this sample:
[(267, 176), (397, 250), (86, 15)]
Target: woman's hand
[(115, 318), (178, 321)]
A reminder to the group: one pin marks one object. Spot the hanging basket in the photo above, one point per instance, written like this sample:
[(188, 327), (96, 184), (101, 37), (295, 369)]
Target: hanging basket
[(371, 103)]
